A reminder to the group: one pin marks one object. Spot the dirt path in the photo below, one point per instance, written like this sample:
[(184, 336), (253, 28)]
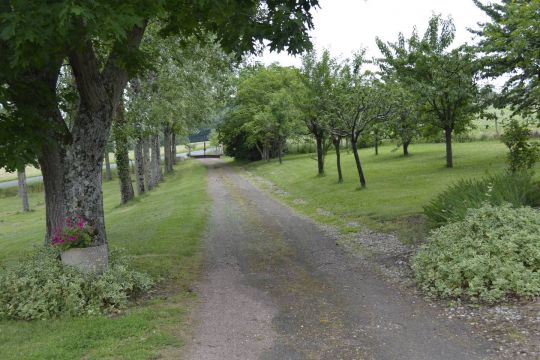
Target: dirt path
[(276, 287)]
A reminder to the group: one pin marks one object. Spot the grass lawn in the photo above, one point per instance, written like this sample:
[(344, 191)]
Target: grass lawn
[(161, 230), (397, 186)]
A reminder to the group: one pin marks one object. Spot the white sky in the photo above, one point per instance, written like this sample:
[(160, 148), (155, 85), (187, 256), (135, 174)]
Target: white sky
[(344, 26)]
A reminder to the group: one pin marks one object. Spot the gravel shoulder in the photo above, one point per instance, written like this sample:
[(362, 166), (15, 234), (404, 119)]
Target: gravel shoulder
[(278, 286)]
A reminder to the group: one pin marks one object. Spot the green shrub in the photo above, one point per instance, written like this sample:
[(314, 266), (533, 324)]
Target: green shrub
[(522, 154), (41, 287), (494, 252), (451, 205)]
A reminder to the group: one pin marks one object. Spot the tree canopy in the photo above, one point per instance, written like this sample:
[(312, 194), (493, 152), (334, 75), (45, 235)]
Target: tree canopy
[(510, 47), (443, 78)]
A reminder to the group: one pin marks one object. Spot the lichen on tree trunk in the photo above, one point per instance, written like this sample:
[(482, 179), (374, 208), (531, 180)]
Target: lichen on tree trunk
[(155, 162), (121, 142), (139, 166)]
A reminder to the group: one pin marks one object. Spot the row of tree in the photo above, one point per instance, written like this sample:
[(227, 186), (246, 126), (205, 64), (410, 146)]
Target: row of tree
[(99, 46), (424, 86)]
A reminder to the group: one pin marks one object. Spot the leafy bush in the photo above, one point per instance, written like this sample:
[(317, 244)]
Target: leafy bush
[(451, 205), (522, 154), (493, 253), (41, 287)]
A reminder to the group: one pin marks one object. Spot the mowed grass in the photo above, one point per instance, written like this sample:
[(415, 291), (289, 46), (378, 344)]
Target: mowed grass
[(397, 187), (162, 230)]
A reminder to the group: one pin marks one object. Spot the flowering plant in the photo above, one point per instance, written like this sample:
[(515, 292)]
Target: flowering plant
[(76, 234)]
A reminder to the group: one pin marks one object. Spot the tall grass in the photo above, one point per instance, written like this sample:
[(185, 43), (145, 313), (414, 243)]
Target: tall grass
[(452, 204)]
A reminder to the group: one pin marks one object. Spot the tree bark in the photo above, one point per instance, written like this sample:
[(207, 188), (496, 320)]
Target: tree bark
[(157, 175), (320, 155), (108, 174), (173, 149), (406, 148), (52, 165), (100, 93), (23, 191), (167, 148), (376, 144), (147, 165), (280, 151), (121, 154), (83, 170), (337, 140), (139, 166), (358, 163), (448, 138)]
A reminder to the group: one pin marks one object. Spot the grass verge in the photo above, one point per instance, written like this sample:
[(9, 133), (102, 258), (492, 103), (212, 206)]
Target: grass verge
[(397, 187), (161, 230)]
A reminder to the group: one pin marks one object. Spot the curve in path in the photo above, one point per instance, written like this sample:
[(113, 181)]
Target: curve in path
[(276, 287)]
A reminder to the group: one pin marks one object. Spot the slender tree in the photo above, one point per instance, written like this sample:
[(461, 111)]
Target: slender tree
[(121, 142), (317, 76), (444, 79), (359, 101), (108, 172), (23, 190)]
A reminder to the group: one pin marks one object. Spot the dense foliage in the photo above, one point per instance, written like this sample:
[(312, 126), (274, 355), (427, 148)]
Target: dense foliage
[(451, 205), (509, 46), (441, 77), (493, 253), (265, 112), (41, 287), (522, 154)]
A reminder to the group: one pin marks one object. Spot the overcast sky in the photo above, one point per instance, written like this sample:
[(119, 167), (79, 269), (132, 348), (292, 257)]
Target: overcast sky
[(343, 26)]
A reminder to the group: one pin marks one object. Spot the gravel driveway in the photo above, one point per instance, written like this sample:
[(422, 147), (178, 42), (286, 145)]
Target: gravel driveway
[(276, 286)]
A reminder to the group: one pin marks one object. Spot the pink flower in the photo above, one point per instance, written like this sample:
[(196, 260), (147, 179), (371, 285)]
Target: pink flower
[(81, 223), (72, 238), (57, 237)]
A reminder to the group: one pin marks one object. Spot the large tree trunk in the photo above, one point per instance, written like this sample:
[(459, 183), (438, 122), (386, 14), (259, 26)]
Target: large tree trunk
[(23, 191), (51, 163), (108, 173), (448, 138), (337, 140), (139, 166), (320, 155), (83, 170), (406, 148), (121, 154), (100, 92), (147, 164), (358, 164)]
